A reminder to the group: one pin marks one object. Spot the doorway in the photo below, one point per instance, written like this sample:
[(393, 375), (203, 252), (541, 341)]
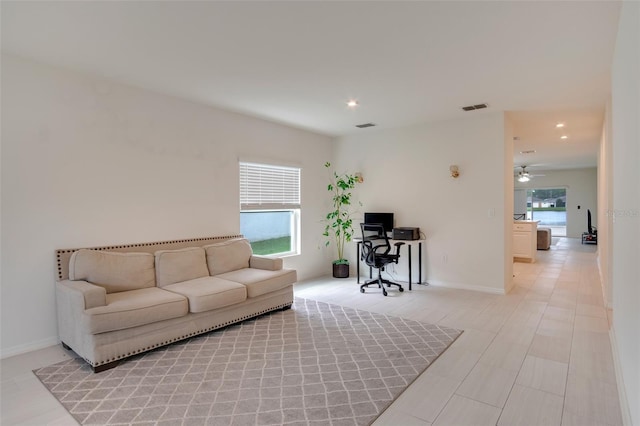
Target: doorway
[(546, 205)]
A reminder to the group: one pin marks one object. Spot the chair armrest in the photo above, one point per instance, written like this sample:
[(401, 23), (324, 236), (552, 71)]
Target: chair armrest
[(398, 245), (82, 293), (266, 263)]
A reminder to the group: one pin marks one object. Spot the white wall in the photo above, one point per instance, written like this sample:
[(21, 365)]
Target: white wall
[(520, 201), (605, 205), (507, 187), (87, 162), (406, 171), (582, 190), (626, 203)]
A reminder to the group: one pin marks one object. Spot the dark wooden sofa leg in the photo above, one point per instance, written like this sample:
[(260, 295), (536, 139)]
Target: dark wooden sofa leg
[(107, 366), (286, 307), (99, 368)]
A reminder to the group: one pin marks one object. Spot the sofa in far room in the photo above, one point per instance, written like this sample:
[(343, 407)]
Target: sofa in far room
[(544, 238), (115, 302)]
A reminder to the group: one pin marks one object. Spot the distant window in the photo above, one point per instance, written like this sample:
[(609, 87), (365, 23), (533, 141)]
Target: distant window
[(270, 208)]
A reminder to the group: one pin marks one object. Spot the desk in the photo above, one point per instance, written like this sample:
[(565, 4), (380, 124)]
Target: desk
[(408, 243)]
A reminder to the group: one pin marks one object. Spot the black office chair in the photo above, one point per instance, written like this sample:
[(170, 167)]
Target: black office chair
[(375, 253), (591, 236)]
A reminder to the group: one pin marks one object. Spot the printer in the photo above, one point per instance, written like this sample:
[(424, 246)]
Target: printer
[(406, 233)]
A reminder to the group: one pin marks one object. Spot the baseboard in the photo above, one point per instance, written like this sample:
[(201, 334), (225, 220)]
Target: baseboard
[(23, 349), (460, 286), (622, 393)]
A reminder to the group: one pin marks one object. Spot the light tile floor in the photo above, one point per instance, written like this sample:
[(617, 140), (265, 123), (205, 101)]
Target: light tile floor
[(538, 356)]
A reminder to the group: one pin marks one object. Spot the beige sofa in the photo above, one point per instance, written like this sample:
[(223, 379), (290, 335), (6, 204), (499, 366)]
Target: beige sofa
[(114, 302)]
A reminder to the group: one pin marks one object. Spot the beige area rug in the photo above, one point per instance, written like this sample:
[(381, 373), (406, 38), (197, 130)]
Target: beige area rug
[(316, 364)]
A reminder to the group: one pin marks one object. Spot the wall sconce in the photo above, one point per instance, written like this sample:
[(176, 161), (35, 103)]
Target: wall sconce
[(359, 177), (454, 171)]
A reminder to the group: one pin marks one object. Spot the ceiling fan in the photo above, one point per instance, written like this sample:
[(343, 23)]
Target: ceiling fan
[(524, 175)]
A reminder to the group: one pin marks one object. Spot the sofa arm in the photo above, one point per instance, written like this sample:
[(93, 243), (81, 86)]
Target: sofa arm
[(73, 298), (82, 293), (267, 263)]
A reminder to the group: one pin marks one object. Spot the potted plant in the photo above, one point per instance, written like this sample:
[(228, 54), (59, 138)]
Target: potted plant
[(339, 228)]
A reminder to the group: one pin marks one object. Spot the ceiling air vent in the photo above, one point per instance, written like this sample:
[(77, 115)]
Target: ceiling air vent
[(365, 125), (474, 107)]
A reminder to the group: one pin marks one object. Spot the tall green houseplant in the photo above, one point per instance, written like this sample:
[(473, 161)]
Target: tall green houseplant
[(339, 228)]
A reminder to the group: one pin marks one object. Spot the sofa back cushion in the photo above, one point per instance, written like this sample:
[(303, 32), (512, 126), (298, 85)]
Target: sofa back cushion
[(228, 256), (114, 271), (176, 266)]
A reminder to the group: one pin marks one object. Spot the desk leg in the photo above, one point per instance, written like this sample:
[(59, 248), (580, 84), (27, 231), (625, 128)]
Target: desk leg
[(420, 262), (409, 267), (358, 262)]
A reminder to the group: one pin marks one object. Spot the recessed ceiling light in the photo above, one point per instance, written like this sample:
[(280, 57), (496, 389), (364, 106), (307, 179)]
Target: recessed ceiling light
[(530, 151), (564, 137), (559, 125), (352, 103)]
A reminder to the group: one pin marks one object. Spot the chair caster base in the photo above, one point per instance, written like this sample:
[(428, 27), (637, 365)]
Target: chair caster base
[(381, 285)]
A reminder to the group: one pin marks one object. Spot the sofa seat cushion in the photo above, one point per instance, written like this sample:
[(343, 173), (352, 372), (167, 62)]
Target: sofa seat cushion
[(209, 293), (260, 281), (133, 308)]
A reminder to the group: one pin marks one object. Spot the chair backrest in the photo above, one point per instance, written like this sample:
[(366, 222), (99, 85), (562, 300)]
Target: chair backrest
[(374, 242)]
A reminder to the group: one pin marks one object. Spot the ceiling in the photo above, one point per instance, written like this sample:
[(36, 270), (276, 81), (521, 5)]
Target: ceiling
[(298, 62)]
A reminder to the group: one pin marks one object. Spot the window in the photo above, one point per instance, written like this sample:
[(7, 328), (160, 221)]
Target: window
[(270, 208), (549, 207)]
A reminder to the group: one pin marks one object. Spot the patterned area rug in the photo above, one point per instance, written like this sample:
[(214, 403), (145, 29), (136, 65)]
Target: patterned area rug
[(314, 364)]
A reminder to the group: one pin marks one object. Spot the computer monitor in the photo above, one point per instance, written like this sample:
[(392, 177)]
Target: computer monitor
[(386, 219)]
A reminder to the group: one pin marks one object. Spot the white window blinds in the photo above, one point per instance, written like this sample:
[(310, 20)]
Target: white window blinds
[(264, 186)]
